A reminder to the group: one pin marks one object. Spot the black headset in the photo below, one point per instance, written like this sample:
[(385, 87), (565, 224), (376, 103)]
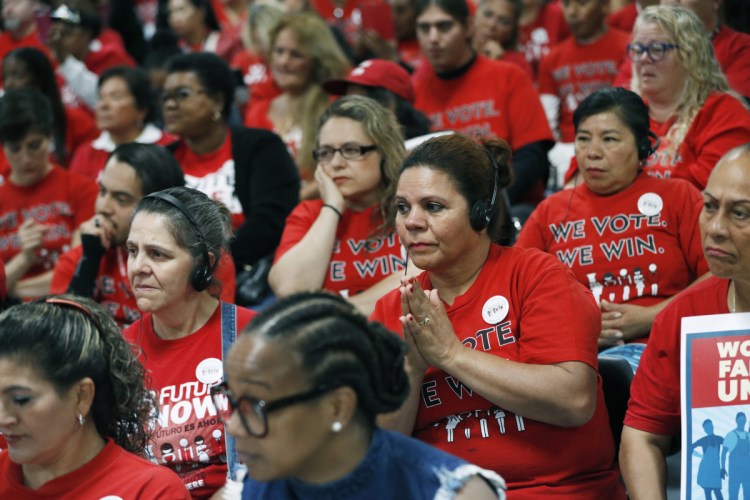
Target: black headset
[(481, 211), (646, 147), (200, 277)]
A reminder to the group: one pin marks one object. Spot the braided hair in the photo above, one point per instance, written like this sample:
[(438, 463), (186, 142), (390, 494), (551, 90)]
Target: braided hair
[(339, 347)]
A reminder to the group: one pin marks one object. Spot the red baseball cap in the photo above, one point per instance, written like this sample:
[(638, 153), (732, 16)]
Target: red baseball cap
[(376, 73)]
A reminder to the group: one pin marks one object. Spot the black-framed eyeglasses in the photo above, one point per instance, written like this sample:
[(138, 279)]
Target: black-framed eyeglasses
[(348, 151), (254, 412), (180, 94), (654, 50)]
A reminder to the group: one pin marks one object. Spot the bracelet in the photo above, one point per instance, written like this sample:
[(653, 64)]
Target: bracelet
[(338, 212)]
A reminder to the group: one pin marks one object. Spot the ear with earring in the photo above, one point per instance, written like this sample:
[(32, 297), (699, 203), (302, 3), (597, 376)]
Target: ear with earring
[(216, 116), (81, 420), (337, 426)]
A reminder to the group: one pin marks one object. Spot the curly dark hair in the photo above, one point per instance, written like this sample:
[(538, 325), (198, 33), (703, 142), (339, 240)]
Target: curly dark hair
[(68, 338)]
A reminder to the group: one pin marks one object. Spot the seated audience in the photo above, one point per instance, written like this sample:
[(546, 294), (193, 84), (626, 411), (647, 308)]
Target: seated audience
[(653, 416), (82, 56), (177, 237), (692, 110), (581, 64), (542, 27), (75, 408), (97, 267), (124, 113), (73, 125), (503, 340), (343, 242), (195, 23), (248, 170), (304, 54), (466, 92), (496, 27), (405, 30), (333, 372), (41, 204), (631, 238), (389, 84)]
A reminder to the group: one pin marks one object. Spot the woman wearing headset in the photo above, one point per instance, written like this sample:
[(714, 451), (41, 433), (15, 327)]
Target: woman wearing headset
[(503, 340), (176, 238)]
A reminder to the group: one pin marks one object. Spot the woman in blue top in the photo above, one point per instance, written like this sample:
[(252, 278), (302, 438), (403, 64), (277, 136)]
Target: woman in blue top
[(308, 377)]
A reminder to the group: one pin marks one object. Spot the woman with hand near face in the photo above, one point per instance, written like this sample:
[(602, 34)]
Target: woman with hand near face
[(496, 26), (503, 358), (176, 239), (631, 238), (653, 417), (73, 407), (304, 54), (41, 204), (124, 113), (342, 242), (305, 382)]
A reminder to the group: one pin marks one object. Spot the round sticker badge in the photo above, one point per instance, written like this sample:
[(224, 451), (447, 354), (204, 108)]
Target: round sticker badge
[(209, 371), (650, 204), (495, 309)]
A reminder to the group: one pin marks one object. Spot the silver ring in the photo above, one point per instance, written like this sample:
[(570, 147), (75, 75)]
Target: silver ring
[(424, 322)]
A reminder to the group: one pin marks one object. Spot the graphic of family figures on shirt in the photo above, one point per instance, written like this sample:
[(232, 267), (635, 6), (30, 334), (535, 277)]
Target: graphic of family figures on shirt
[(713, 465), (632, 283), (488, 421)]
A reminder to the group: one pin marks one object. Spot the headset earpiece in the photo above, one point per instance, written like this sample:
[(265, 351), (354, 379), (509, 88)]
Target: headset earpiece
[(481, 211), (200, 276)]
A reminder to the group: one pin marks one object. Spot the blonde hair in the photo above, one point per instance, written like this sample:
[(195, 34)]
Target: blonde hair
[(262, 18), (316, 41), (384, 131), (696, 55)]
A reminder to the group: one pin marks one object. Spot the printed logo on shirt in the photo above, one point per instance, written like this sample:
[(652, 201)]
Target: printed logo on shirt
[(625, 284), (478, 424), (471, 118), (365, 259), (495, 309)]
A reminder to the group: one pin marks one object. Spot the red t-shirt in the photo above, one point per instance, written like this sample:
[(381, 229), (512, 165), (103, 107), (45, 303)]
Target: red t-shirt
[(113, 473), (624, 18), (256, 76), (61, 201), (572, 71), (654, 404), (213, 173), (188, 436), (525, 307), (491, 98), (548, 29), (257, 117), (721, 124), (355, 264), (113, 290), (410, 53), (517, 58), (640, 246), (90, 158)]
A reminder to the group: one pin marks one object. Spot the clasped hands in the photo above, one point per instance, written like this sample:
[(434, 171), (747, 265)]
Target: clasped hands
[(427, 329)]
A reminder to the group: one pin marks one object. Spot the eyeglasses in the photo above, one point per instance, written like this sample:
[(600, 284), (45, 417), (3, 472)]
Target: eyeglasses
[(254, 412), (180, 94), (654, 50), (348, 151)]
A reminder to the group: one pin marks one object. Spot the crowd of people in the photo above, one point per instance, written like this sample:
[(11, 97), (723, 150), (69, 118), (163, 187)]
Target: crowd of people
[(360, 248)]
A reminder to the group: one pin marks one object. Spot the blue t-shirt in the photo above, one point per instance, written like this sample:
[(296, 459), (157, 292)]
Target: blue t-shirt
[(395, 466)]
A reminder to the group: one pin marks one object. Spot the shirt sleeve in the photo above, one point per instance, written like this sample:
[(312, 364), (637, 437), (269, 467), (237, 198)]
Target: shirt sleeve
[(297, 225)]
